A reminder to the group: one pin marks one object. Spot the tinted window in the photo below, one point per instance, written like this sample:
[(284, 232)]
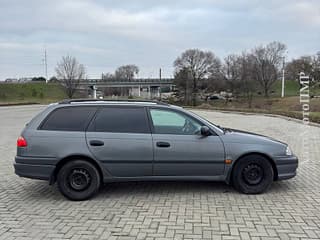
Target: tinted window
[(170, 122), (121, 120), (69, 119)]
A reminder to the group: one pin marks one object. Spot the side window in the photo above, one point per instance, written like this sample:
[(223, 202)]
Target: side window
[(170, 122), (68, 119), (121, 120)]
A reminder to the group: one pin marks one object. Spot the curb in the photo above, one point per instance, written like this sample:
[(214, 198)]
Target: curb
[(17, 104)]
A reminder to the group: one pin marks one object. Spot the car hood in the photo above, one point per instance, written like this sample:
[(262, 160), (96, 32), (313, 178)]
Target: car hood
[(236, 135)]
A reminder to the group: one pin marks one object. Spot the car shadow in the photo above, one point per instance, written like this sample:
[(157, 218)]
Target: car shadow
[(43, 192), (159, 187)]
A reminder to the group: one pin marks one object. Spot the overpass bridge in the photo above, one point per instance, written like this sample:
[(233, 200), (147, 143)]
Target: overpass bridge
[(143, 82), (140, 87)]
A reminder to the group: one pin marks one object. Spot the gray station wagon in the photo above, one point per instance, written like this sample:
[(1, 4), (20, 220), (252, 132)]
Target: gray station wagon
[(82, 144)]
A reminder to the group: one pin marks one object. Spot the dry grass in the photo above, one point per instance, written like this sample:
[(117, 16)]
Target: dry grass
[(289, 106)]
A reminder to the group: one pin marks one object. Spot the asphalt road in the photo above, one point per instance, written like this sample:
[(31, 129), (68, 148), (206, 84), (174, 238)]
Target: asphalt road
[(31, 209)]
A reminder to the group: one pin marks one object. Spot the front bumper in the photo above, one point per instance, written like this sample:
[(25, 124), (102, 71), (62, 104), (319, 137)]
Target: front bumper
[(32, 168), (286, 166)]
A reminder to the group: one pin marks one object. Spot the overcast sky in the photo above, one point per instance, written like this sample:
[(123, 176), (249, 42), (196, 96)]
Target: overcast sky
[(104, 34)]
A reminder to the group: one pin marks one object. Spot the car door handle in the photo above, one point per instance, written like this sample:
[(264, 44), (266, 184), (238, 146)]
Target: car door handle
[(163, 144), (96, 143)]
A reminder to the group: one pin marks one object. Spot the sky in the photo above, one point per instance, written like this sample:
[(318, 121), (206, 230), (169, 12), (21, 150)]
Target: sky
[(105, 34)]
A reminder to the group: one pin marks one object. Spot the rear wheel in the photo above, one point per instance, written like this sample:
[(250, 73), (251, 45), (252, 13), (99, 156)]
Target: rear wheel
[(78, 180), (252, 174)]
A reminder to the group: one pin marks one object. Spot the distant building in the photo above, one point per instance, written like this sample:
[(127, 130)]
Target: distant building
[(18, 80), (11, 80), (24, 79)]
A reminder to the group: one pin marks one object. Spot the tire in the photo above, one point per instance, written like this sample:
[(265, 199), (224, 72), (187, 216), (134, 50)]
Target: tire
[(252, 174), (78, 180)]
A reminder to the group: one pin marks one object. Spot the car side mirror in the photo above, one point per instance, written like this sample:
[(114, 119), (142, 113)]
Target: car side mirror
[(205, 131)]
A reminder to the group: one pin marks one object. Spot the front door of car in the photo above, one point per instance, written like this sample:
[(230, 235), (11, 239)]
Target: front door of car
[(120, 138), (179, 147)]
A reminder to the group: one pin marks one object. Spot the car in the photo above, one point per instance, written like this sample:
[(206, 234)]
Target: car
[(214, 97), (83, 144)]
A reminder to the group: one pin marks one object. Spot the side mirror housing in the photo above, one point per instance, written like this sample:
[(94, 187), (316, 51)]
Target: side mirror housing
[(205, 131)]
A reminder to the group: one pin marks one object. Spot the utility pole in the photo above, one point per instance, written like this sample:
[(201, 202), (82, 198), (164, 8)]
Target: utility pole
[(160, 84), (46, 64), (282, 89)]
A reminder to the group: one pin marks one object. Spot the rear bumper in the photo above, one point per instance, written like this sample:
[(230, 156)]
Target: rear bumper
[(32, 168), (286, 167)]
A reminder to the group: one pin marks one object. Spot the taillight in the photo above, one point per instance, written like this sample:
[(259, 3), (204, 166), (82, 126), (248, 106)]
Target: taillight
[(21, 142)]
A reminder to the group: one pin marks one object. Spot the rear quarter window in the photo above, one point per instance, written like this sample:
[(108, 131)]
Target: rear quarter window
[(68, 119)]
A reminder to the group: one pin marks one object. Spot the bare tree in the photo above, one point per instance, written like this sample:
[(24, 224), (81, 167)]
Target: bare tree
[(182, 83), (238, 72), (126, 72), (267, 63), (107, 76), (247, 84), (294, 67), (316, 68), (200, 64), (69, 73), (310, 65), (315, 73), (232, 71)]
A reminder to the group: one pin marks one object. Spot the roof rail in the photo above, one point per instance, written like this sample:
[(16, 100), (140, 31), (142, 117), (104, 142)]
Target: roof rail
[(69, 101)]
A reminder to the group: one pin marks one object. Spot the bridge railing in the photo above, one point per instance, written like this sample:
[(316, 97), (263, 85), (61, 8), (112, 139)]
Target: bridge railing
[(138, 80)]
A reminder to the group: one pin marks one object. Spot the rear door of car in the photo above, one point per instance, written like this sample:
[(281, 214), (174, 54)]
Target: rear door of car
[(120, 137)]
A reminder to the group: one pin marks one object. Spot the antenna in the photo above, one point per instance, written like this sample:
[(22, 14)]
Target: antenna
[(46, 64), (160, 84)]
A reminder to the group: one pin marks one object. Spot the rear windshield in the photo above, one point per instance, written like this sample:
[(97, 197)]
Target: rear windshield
[(68, 119)]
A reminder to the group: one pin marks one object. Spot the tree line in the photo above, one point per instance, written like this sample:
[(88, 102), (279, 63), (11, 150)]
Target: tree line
[(197, 71), (246, 74)]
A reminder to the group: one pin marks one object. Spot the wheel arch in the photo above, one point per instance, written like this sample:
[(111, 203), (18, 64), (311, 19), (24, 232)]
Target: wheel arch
[(70, 158), (271, 161)]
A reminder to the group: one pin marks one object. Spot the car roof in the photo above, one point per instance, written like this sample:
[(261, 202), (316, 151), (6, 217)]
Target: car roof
[(131, 102)]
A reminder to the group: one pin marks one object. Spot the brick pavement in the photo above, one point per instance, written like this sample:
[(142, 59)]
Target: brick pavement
[(30, 209)]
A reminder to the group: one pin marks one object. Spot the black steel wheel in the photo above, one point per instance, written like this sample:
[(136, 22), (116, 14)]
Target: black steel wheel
[(78, 180), (252, 174)]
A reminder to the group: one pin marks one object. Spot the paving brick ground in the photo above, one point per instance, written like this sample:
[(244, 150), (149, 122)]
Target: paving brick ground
[(30, 209)]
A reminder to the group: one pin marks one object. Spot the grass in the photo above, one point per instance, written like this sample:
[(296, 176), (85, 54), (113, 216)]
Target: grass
[(15, 93), (292, 88), (288, 106)]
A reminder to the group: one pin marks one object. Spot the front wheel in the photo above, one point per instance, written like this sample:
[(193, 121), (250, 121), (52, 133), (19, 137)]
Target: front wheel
[(78, 180), (252, 174)]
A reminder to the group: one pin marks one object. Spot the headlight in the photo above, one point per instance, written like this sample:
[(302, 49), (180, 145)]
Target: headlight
[(288, 151)]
